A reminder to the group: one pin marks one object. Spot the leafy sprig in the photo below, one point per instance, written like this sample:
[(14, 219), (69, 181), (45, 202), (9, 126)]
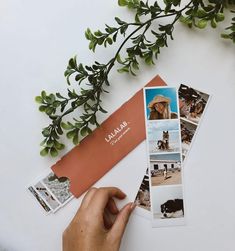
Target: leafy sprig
[(145, 43)]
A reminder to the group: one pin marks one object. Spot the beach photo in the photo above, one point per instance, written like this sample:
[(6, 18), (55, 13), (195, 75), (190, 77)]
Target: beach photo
[(167, 202), (165, 169), (163, 136), (161, 103), (192, 103)]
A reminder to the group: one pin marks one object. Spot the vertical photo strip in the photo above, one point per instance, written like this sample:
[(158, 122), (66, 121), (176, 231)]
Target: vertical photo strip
[(192, 107), (163, 137), (51, 192)]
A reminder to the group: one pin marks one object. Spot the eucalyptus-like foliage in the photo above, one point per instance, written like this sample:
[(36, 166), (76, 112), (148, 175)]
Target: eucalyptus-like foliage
[(147, 35)]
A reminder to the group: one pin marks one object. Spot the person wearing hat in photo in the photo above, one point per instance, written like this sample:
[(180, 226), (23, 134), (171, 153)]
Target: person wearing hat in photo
[(160, 108)]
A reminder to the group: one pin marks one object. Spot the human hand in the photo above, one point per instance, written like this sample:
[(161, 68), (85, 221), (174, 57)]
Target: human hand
[(92, 228)]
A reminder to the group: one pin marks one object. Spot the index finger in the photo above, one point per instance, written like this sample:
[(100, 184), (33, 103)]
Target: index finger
[(102, 196)]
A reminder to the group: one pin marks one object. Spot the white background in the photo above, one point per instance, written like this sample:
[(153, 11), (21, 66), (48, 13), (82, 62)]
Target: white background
[(37, 39)]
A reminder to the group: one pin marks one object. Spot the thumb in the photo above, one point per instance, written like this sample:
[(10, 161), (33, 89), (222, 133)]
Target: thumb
[(120, 223)]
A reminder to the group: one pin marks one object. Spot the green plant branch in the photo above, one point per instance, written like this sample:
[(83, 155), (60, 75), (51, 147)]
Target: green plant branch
[(88, 97)]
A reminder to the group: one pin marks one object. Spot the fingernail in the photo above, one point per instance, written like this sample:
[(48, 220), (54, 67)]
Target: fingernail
[(132, 206)]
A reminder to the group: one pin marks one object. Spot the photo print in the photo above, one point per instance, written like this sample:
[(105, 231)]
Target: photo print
[(143, 196), (59, 187), (167, 205), (163, 136), (161, 103), (39, 200), (165, 169), (46, 195), (192, 103), (187, 132)]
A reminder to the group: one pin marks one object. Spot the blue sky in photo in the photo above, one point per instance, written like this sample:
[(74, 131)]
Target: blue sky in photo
[(166, 92), (170, 156), (163, 125)]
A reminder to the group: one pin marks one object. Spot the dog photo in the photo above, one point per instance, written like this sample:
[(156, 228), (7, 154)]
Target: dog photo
[(167, 202), (165, 169), (187, 132), (143, 196), (163, 136), (161, 103), (192, 103), (59, 187)]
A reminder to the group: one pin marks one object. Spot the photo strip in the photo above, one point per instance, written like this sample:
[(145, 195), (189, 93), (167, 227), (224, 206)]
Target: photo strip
[(192, 105), (188, 130), (163, 138), (142, 200), (41, 202), (51, 191)]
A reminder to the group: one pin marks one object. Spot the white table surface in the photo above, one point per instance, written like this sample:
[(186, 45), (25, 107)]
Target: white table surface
[(37, 39)]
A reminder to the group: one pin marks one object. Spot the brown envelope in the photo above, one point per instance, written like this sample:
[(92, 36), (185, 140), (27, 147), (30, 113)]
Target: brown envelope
[(119, 134)]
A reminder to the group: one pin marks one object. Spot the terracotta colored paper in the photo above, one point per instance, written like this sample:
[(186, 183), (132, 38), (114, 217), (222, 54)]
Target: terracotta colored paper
[(106, 146)]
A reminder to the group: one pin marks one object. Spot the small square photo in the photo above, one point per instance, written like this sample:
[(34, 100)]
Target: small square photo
[(167, 202), (192, 103), (51, 201), (59, 187), (163, 136), (161, 103), (165, 169)]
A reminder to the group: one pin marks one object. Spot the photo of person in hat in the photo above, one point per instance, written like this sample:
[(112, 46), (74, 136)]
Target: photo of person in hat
[(160, 108)]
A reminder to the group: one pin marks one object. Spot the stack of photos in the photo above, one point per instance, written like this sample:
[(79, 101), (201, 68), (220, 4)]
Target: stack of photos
[(165, 160), (51, 192), (192, 105), (165, 169)]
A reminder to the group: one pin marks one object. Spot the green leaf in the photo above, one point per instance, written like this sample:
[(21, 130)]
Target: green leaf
[(88, 34), (102, 110), (119, 21), (42, 108), (219, 17), (58, 146), (226, 36), (202, 24), (50, 143), (39, 99), (46, 132), (43, 142), (83, 131), (71, 134), (49, 110), (43, 94), (66, 126), (201, 13), (122, 2), (75, 140), (53, 152), (56, 104), (213, 23), (44, 151), (72, 63), (123, 69)]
